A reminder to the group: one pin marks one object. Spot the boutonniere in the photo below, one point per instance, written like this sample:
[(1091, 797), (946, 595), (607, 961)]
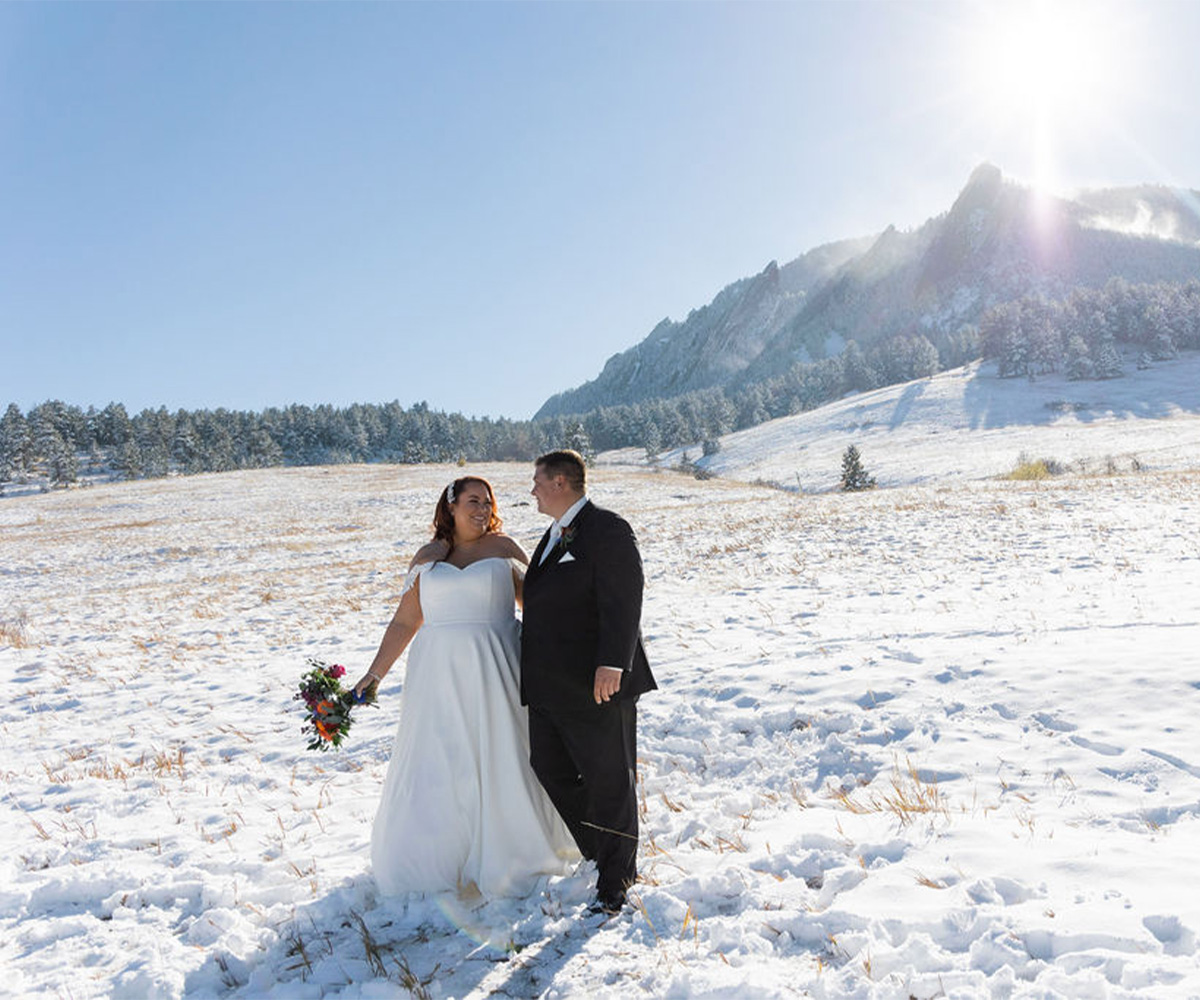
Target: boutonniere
[(566, 538)]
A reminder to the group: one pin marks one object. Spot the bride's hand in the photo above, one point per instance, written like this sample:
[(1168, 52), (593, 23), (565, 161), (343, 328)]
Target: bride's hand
[(361, 688)]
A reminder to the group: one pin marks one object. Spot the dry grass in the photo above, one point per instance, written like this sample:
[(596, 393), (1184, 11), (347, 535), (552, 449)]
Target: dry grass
[(13, 631), (160, 763), (415, 985), (370, 948), (1035, 469), (910, 796), (1032, 470)]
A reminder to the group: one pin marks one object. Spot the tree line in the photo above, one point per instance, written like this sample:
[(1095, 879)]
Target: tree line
[(1090, 333), (1080, 336)]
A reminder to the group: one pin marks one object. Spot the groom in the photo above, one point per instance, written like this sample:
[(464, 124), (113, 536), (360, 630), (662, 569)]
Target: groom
[(582, 669)]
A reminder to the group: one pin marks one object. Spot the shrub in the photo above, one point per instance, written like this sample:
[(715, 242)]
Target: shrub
[(1035, 468)]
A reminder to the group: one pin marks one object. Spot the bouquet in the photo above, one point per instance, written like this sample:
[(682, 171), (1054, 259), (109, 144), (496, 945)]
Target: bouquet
[(327, 704)]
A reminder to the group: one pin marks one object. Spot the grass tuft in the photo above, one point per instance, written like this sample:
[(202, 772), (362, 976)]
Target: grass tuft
[(1030, 469), (13, 631), (910, 796), (374, 958), (415, 985)]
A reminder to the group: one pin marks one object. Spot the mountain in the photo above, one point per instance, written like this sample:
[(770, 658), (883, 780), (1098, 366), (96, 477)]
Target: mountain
[(999, 241), (716, 342)]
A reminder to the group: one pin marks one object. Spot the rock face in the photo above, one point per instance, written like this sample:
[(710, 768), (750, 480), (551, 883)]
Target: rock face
[(716, 342), (998, 242)]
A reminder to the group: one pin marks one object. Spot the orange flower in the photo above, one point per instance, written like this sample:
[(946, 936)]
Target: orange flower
[(326, 732)]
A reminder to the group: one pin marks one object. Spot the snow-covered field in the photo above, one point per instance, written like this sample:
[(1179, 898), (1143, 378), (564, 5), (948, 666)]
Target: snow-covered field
[(933, 741), (967, 424)]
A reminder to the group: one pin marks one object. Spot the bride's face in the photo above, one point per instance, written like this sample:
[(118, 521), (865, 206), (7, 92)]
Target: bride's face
[(472, 510)]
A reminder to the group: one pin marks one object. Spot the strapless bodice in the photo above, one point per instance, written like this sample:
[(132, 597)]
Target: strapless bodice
[(479, 593)]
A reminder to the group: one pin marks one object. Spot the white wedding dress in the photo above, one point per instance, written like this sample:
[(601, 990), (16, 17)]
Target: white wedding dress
[(460, 803)]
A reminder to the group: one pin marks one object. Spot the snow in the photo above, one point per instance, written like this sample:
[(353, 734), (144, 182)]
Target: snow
[(935, 740), (968, 424)]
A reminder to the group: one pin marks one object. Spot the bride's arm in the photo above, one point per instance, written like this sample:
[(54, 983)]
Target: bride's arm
[(399, 634), (519, 561)]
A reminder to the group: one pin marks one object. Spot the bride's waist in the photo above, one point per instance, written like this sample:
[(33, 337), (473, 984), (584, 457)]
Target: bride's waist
[(497, 623)]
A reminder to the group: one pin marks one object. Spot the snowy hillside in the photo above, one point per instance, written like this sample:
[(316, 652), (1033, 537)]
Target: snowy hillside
[(934, 741), (969, 424), (998, 242)]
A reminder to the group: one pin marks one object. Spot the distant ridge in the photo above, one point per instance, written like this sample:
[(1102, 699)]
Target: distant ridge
[(998, 242)]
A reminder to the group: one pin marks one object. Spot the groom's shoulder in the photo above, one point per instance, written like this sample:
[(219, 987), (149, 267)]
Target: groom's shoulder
[(602, 515), (608, 520)]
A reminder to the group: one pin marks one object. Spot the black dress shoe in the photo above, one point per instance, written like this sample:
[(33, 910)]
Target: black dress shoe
[(608, 903)]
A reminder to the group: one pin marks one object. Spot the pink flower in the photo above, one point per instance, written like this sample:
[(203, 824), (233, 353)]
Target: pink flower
[(337, 670)]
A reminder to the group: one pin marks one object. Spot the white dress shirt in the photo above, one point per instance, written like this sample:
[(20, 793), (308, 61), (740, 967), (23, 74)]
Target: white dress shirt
[(556, 529)]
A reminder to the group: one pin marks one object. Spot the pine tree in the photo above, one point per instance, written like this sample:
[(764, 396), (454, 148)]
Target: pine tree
[(14, 444), (1014, 355), (1106, 360), (185, 450), (113, 426), (861, 374), (1079, 361), (578, 440), (854, 476), (1162, 346), (128, 460), (59, 457)]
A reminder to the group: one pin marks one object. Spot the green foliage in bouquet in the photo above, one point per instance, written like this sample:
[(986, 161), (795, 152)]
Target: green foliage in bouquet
[(327, 705)]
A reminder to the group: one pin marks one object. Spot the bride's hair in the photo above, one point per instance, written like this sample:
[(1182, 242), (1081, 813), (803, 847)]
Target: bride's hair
[(443, 517)]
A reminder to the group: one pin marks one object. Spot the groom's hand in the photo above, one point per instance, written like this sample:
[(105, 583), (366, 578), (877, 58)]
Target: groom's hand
[(607, 684)]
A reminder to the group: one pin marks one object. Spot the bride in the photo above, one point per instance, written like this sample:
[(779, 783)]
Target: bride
[(461, 808)]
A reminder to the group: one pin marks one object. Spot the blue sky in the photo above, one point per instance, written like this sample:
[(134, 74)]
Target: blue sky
[(247, 205)]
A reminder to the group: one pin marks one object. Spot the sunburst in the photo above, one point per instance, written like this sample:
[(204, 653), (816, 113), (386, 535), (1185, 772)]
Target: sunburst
[(1042, 69)]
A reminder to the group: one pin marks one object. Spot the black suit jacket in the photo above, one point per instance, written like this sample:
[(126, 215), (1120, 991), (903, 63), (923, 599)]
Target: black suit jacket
[(583, 610)]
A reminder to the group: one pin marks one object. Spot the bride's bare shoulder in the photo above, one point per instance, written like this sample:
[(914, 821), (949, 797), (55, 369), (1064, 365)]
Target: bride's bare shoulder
[(509, 548), (430, 552)]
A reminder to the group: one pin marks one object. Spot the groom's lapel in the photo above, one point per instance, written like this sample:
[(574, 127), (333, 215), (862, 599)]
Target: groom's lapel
[(573, 530), (557, 554), (535, 560)]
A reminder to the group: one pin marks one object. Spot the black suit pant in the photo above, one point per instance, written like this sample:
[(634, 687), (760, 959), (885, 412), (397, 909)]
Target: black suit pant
[(587, 762)]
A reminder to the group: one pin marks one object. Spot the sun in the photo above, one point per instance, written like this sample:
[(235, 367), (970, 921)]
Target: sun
[(1040, 69), (1043, 58)]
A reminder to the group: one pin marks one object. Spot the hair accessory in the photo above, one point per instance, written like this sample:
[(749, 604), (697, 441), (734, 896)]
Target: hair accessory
[(450, 493)]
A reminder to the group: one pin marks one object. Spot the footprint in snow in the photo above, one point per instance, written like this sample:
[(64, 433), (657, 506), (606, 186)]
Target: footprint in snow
[(955, 674), (1050, 722), (1001, 891), (1162, 815), (1175, 938), (903, 655), (838, 882), (1106, 749), (1174, 761)]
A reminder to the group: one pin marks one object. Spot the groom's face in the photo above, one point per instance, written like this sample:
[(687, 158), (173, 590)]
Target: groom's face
[(548, 492)]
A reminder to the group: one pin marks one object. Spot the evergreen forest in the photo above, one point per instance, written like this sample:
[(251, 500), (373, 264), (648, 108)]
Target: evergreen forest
[(1088, 334)]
